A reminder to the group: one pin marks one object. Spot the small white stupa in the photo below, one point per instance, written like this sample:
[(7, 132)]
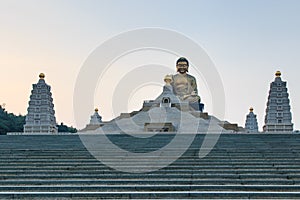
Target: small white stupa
[(96, 119), (251, 122), (95, 122)]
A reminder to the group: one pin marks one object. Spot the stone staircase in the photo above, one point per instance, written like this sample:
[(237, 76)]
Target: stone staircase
[(241, 166)]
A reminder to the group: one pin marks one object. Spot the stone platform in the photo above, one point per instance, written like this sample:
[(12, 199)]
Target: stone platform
[(240, 166)]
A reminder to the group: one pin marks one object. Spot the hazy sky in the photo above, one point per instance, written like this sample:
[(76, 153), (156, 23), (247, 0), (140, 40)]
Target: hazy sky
[(247, 40)]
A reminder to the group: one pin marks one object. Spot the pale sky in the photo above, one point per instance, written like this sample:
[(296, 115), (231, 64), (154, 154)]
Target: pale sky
[(248, 40)]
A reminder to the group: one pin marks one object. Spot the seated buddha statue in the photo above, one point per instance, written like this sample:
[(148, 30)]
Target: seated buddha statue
[(184, 85)]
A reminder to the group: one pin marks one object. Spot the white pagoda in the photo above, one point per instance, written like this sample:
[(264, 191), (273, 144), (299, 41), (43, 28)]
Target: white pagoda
[(278, 112), (251, 122), (96, 119), (95, 122), (40, 117)]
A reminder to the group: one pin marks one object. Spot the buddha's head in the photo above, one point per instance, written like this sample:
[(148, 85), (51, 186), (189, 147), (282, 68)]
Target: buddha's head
[(182, 65)]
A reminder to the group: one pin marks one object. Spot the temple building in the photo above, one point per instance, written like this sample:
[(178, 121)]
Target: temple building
[(40, 117), (166, 113), (278, 116), (251, 122)]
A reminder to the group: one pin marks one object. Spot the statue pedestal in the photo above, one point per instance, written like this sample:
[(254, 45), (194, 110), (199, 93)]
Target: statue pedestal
[(197, 106)]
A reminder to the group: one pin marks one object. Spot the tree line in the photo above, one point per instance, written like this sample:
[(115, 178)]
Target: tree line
[(10, 122)]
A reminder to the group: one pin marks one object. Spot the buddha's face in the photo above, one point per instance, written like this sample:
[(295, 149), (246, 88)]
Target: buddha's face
[(182, 67)]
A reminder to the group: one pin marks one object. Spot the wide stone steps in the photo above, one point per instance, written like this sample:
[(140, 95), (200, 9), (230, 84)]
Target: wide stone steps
[(149, 188), (154, 195), (239, 166)]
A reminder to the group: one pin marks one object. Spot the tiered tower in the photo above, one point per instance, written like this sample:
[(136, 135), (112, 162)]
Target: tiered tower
[(278, 115), (40, 117), (251, 122)]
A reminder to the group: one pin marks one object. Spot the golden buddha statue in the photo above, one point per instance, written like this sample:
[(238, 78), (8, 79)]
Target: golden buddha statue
[(184, 85)]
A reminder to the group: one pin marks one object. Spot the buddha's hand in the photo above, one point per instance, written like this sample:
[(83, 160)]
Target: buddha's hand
[(194, 93), (185, 96)]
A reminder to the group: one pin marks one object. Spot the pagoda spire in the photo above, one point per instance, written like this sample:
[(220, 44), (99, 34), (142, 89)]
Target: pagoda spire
[(41, 115), (278, 116)]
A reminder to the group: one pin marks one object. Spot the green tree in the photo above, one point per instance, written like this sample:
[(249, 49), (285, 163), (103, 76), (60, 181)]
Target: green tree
[(10, 122), (64, 128)]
